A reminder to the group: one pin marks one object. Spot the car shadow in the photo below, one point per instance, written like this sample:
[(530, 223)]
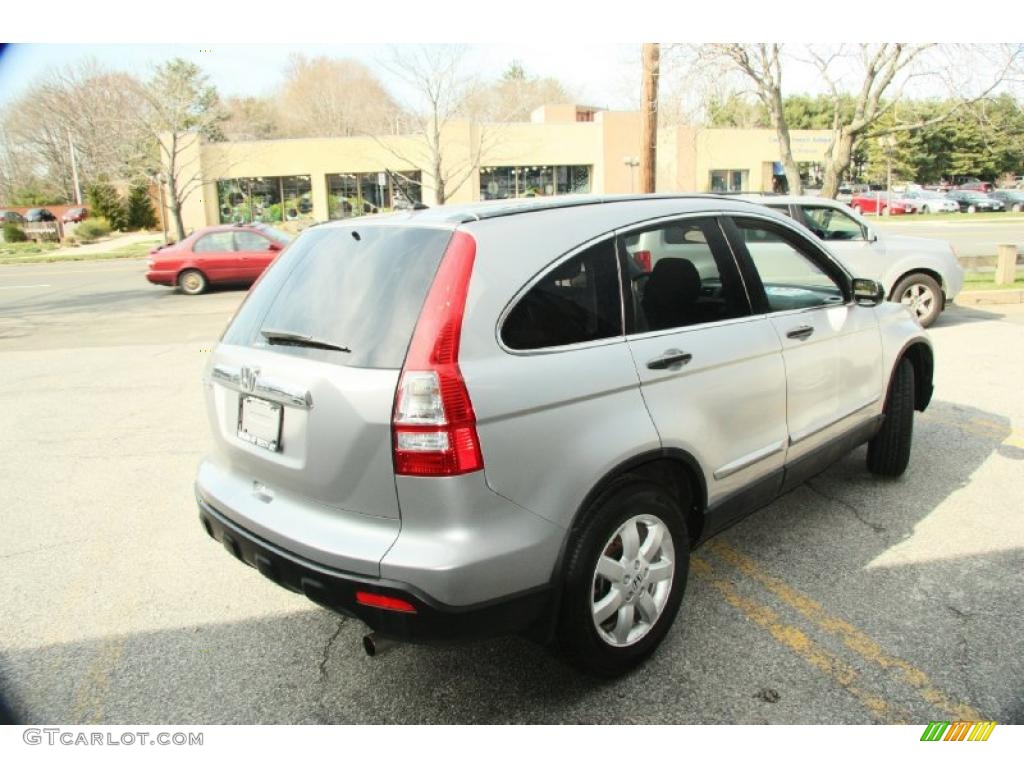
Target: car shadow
[(956, 314), (869, 552)]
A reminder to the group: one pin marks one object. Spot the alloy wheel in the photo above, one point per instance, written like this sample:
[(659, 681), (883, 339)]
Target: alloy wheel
[(633, 580), (920, 298)]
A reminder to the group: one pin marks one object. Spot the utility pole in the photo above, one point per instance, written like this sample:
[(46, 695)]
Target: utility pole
[(74, 170), (649, 117)]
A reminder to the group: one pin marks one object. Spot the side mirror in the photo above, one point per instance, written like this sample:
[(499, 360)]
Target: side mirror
[(870, 235), (867, 293), (274, 247)]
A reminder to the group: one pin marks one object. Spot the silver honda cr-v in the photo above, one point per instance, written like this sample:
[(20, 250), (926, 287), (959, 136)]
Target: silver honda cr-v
[(524, 417)]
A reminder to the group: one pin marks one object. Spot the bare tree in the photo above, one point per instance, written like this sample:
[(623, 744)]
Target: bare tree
[(180, 109), (251, 118), (83, 104), (444, 94), (323, 96), (514, 97), (762, 64), (877, 74)]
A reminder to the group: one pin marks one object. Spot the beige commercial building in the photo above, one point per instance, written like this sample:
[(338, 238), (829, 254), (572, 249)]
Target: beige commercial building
[(564, 149)]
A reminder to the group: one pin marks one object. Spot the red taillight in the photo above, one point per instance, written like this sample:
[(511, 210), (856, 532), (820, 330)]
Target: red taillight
[(433, 424), (643, 260), (384, 602)]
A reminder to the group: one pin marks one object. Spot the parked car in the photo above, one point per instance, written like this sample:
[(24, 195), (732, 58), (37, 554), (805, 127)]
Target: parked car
[(930, 201), (39, 214), (221, 255), (848, 191), (482, 426), (921, 273), (1012, 199), (75, 215), (972, 183), (11, 217), (881, 203), (972, 202)]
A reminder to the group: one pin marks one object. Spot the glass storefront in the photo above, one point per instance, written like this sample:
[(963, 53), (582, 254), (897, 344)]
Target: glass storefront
[(265, 198), (357, 194), (501, 182)]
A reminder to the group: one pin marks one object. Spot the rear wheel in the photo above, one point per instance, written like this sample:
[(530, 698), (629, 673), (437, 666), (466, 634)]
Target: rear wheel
[(625, 578), (922, 295), (889, 450), (192, 282)]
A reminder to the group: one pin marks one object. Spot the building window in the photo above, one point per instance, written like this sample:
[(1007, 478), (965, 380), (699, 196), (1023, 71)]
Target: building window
[(265, 198), (729, 181), (584, 115), (499, 183), (358, 194)]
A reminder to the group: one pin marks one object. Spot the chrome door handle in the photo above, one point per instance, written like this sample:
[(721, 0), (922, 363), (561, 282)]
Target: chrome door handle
[(672, 358), (801, 332)]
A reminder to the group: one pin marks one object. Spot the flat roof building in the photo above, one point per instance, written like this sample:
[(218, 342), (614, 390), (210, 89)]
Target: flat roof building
[(564, 149)]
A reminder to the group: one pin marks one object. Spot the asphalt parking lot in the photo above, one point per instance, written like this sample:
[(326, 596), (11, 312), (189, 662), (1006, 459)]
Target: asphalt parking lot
[(850, 600), (970, 236)]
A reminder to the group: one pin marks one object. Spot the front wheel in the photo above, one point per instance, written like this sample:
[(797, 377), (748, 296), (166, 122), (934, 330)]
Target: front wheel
[(1015, 207), (922, 295), (972, 209), (625, 577), (858, 210), (889, 450)]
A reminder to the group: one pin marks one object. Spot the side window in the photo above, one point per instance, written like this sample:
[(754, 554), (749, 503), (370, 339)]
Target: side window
[(577, 301), (790, 277), (216, 242), (250, 241), (831, 223), (682, 274)]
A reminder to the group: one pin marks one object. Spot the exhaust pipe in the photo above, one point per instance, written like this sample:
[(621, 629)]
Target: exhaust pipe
[(374, 645)]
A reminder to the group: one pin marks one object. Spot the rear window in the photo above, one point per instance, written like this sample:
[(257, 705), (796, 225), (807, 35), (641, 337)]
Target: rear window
[(360, 288)]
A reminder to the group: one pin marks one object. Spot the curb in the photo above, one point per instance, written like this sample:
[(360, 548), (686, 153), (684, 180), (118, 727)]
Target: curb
[(974, 298)]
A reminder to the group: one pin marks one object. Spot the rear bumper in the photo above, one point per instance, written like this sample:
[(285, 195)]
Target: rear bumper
[(432, 621), (161, 278)]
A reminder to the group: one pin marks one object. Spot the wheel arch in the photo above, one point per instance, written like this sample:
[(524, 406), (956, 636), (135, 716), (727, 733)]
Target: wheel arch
[(934, 274), (673, 468), (920, 355)]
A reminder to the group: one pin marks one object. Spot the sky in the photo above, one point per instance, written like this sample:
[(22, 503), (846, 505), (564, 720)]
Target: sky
[(598, 73)]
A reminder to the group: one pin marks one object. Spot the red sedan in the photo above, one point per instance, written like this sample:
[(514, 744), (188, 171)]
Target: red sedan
[(228, 254), (872, 202)]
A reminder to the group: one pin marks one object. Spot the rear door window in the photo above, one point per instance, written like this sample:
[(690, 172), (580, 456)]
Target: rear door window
[(577, 301), (357, 288), (215, 242)]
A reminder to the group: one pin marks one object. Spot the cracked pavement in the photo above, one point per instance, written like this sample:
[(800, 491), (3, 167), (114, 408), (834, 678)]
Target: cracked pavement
[(849, 600)]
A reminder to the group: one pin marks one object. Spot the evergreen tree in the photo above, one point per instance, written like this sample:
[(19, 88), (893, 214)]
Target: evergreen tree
[(106, 203), (140, 213)]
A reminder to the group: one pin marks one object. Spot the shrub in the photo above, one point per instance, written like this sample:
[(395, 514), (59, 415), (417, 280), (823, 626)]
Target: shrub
[(140, 208), (13, 233), (92, 229), (107, 204)]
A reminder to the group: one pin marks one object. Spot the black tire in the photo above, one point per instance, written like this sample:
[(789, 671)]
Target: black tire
[(931, 313), (889, 450), (192, 281), (578, 636)]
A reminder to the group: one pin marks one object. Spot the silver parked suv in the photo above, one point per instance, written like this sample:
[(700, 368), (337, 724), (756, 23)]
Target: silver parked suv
[(524, 417)]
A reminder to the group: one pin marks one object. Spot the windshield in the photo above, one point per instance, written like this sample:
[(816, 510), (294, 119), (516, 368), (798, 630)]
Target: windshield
[(275, 234), (349, 295)]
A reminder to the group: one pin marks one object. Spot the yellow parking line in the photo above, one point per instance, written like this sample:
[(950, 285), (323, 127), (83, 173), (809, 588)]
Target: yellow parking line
[(798, 642), (982, 428), (852, 638), (94, 687)]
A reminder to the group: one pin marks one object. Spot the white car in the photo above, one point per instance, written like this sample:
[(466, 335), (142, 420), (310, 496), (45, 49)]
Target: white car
[(929, 201), (921, 273)]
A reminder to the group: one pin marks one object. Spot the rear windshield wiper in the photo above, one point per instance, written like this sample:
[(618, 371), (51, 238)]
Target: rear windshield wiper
[(298, 340)]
